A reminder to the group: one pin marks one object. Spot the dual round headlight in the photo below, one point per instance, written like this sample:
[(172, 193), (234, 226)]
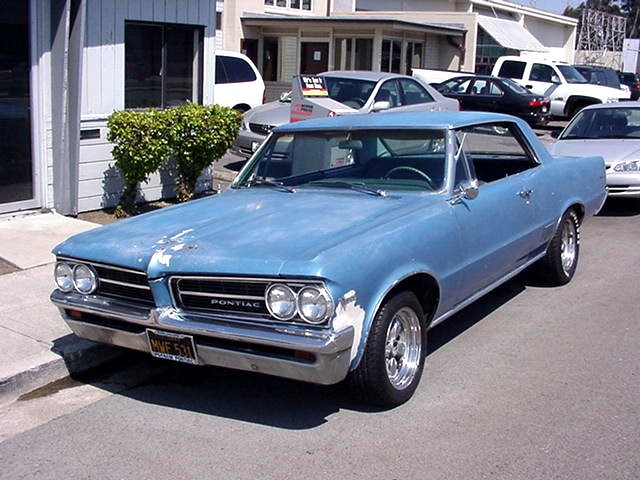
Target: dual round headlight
[(312, 303), (80, 277)]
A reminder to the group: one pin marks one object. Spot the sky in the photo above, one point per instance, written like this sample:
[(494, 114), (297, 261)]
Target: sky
[(555, 6)]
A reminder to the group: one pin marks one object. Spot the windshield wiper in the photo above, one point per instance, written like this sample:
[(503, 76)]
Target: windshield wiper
[(357, 186), (257, 182)]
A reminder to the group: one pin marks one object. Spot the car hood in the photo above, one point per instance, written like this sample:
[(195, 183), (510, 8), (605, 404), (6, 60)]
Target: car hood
[(249, 231), (272, 113), (612, 150)]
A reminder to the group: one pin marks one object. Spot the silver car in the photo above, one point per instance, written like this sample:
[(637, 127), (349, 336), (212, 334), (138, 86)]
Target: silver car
[(612, 131), (359, 90)]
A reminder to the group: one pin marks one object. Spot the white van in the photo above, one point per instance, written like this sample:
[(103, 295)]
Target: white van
[(238, 83)]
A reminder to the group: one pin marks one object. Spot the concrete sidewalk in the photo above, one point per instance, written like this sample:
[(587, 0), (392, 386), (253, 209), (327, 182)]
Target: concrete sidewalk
[(36, 346)]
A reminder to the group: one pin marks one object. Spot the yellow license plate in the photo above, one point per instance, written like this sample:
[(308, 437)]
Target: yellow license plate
[(172, 346)]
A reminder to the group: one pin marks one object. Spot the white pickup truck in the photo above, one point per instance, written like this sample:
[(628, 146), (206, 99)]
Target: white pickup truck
[(572, 92)]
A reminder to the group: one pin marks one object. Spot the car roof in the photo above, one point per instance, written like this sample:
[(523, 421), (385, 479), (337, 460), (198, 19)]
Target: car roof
[(408, 120), (627, 104), (362, 75)]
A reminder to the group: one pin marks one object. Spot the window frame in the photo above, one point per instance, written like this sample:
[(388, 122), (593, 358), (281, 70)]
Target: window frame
[(197, 59)]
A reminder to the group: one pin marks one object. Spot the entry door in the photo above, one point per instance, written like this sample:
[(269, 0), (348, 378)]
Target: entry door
[(315, 58), (16, 166)]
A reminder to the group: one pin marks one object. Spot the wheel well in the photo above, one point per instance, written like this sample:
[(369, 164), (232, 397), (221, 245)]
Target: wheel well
[(241, 107), (579, 209), (576, 103), (426, 290)]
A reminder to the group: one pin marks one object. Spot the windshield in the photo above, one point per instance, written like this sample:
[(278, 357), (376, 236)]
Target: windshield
[(571, 75), (380, 160), (351, 92), (604, 123)]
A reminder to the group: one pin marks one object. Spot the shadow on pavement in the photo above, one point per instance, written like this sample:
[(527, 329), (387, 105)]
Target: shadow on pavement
[(620, 207), (257, 398)]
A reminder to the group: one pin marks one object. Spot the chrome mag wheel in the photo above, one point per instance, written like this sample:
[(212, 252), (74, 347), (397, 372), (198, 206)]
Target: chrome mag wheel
[(568, 245), (403, 348)]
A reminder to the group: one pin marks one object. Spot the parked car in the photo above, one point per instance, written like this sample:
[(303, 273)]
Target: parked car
[(599, 75), (341, 242), (358, 90), (258, 122), (494, 94), (631, 80), (612, 131), (572, 92), (238, 82)]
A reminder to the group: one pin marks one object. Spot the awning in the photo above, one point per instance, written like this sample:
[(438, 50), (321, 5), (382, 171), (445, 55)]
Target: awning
[(510, 34)]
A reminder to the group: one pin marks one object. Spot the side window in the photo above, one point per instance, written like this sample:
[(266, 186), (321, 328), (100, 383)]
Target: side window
[(512, 69), (237, 70), (542, 73), (389, 93), (414, 93), (496, 151), (495, 89), (463, 87), (481, 87)]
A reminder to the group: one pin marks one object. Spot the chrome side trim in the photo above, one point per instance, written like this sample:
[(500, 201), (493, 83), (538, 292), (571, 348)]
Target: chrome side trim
[(486, 290)]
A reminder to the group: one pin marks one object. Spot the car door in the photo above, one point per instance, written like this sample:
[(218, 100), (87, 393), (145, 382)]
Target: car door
[(541, 77), (487, 95), (501, 226)]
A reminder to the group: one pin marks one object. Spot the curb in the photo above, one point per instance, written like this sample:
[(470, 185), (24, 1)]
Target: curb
[(76, 355)]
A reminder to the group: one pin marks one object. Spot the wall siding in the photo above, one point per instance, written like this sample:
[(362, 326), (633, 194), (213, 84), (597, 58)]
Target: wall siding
[(100, 183)]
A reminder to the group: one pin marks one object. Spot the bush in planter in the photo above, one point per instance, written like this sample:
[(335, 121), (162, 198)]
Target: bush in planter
[(198, 136), (141, 146)]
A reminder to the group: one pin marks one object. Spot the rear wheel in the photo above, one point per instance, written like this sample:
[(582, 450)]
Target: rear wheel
[(559, 264), (392, 364)]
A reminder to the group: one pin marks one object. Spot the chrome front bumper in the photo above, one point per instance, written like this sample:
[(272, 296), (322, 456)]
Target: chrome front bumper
[(280, 350)]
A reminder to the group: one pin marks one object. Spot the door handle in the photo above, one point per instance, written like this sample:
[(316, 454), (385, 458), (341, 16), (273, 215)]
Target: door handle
[(525, 193)]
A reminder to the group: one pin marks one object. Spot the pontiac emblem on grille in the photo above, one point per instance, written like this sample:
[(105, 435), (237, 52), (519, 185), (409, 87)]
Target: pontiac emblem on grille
[(220, 302)]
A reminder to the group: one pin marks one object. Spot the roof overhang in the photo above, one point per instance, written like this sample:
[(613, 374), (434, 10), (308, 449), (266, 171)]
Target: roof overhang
[(510, 34), (263, 20)]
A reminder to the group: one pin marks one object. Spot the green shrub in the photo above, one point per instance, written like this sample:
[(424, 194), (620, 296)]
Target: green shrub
[(199, 135), (140, 147)]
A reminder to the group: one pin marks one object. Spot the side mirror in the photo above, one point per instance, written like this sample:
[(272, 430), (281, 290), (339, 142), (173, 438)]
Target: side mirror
[(381, 105), (555, 133), (283, 96), (469, 189)]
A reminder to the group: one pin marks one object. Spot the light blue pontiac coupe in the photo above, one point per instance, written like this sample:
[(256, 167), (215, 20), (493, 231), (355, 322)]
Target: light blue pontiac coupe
[(340, 243)]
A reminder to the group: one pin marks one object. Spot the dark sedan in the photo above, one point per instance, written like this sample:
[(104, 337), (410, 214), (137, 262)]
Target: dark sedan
[(494, 94)]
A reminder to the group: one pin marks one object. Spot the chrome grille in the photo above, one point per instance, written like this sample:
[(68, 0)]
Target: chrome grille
[(130, 285), (260, 128), (228, 295), (222, 295)]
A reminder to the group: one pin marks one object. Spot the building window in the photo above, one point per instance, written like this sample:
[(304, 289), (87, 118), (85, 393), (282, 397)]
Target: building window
[(414, 57), (487, 52), (293, 4), (270, 60), (391, 52), (353, 53), (162, 65), (218, 21)]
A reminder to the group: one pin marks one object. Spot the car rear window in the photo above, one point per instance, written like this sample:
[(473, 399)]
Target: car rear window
[(233, 70)]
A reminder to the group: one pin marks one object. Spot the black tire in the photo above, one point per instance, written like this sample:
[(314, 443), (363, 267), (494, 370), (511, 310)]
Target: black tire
[(373, 380), (559, 264)]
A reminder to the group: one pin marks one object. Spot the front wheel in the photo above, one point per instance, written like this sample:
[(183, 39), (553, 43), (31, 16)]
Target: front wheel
[(392, 364), (559, 263)]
